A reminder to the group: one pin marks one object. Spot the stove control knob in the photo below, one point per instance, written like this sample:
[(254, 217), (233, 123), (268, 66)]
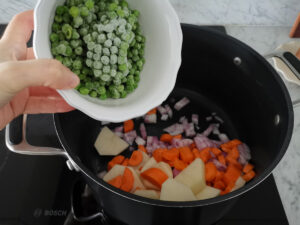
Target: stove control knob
[(72, 166)]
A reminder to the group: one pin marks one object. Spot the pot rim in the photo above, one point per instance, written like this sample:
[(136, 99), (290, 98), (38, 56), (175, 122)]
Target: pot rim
[(219, 199)]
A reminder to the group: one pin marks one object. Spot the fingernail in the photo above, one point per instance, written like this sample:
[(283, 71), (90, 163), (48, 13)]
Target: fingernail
[(74, 80)]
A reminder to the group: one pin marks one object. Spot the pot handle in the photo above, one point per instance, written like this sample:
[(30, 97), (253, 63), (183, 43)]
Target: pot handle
[(293, 63), (78, 196), (15, 139)]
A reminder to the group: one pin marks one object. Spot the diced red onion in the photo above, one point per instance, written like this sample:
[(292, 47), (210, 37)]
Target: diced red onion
[(245, 153), (150, 118), (210, 128), (216, 130), (175, 172), (104, 122), (129, 137), (223, 138), (143, 131), (178, 143), (217, 143), (162, 110), (181, 103), (195, 119), (152, 144), (169, 111), (164, 117), (209, 118), (220, 166), (119, 129), (120, 134), (175, 129), (140, 141), (183, 120), (219, 119), (202, 142), (189, 130)]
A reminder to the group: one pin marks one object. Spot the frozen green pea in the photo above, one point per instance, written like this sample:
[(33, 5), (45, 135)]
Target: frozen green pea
[(101, 90), (106, 51), (129, 88), (136, 79), (111, 36), (66, 18), (101, 38), (83, 31), (61, 49), (128, 26), (138, 38), (89, 4), (53, 51), (84, 11), (103, 96), (89, 18), (97, 73), (108, 43), (74, 11), (55, 27), (75, 35), (74, 43), (77, 72), (98, 49), (105, 60), (114, 49), (122, 29), (89, 62), (96, 56), (91, 45), (126, 37), (89, 54), (78, 50), (78, 21), (137, 72), (113, 59), (132, 71), (135, 58), (93, 94), (123, 67), (59, 58), (124, 45), (124, 80), (124, 94), (135, 52), (112, 15), (60, 10), (84, 91), (117, 41), (67, 62), (120, 88), (77, 64), (61, 36), (85, 70), (58, 19), (123, 52), (113, 72), (121, 60), (121, 13), (106, 69), (105, 77), (54, 37), (140, 64), (103, 18), (67, 30), (97, 65)]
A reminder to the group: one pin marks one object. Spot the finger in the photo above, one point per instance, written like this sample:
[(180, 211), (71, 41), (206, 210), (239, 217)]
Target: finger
[(20, 28), (43, 91), (30, 54), (15, 76), (37, 105)]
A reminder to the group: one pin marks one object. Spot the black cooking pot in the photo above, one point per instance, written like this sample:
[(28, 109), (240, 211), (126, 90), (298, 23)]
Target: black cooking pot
[(219, 74)]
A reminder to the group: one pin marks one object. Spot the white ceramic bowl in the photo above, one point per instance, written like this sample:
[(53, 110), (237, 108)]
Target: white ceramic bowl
[(161, 26)]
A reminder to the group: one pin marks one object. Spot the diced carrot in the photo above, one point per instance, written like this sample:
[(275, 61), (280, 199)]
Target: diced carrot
[(152, 111), (196, 153), (210, 171), (227, 189), (125, 162), (157, 154), (226, 147), (178, 136), (234, 153), (193, 145), (219, 175), (216, 151), (142, 148), (170, 155), (186, 155), (205, 154), (249, 176), (221, 159), (136, 158), (234, 162), (231, 174), (166, 138), (220, 185), (116, 160), (128, 126), (127, 180), (179, 164), (155, 176), (116, 182), (248, 167)]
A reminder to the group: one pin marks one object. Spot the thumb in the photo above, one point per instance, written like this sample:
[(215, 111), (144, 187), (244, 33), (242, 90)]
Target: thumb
[(15, 76)]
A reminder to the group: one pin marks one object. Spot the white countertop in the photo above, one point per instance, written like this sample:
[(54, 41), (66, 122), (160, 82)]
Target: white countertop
[(263, 25)]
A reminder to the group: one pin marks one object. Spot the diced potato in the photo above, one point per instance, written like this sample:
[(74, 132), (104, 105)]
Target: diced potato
[(240, 182), (148, 193), (208, 192), (149, 185), (150, 163), (108, 143), (193, 176), (137, 181), (173, 190), (165, 168), (115, 171)]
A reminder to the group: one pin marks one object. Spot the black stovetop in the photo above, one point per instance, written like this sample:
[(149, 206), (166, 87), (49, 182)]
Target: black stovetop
[(35, 190)]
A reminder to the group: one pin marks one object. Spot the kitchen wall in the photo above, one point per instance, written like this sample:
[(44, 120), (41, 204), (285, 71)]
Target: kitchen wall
[(229, 12)]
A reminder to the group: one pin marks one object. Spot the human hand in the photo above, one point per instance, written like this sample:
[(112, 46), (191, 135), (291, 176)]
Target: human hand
[(27, 85)]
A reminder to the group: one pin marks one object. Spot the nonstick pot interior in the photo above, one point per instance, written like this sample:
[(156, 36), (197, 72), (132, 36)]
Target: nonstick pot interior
[(219, 74)]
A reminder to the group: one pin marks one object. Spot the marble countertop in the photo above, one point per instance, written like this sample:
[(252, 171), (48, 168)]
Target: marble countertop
[(263, 25)]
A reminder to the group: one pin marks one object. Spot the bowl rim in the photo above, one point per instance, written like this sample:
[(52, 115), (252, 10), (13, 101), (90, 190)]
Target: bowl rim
[(90, 108)]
